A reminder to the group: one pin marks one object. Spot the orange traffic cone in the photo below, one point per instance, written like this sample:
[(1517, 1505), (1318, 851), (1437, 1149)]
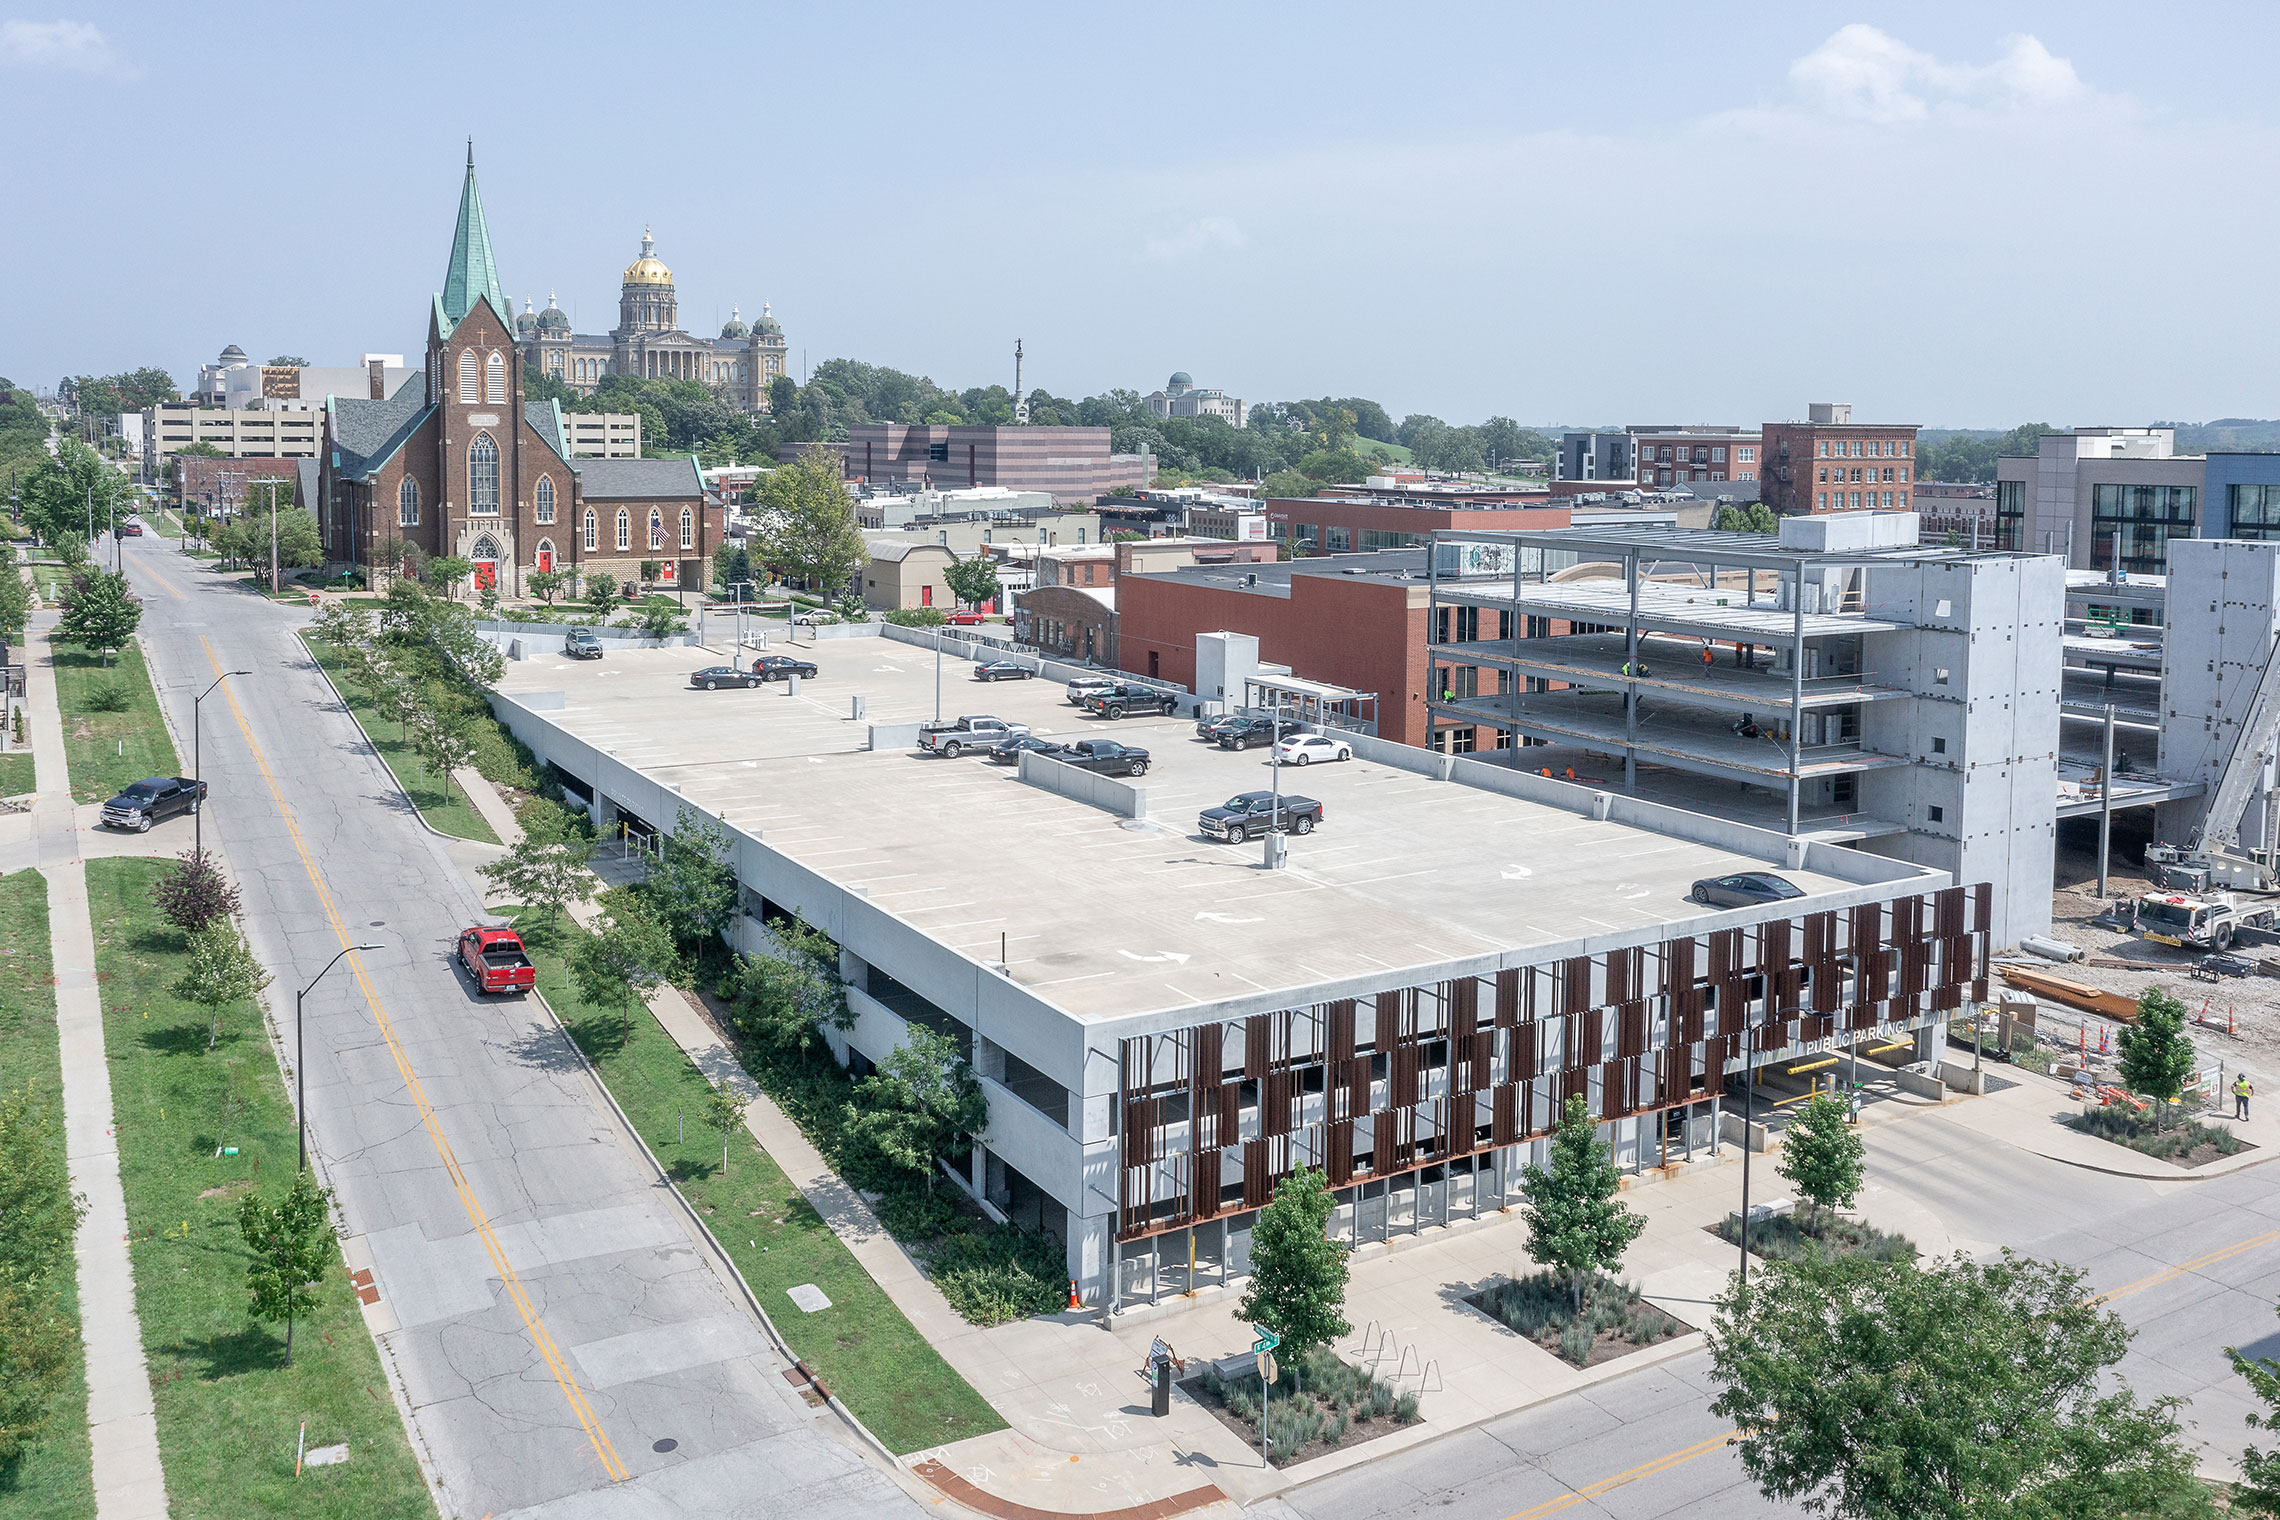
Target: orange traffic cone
[(1074, 1301)]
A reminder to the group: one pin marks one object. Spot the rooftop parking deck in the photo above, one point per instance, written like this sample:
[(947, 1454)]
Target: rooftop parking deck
[(1723, 614), (1106, 917)]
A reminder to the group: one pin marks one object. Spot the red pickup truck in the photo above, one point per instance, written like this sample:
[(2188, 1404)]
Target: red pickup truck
[(495, 958)]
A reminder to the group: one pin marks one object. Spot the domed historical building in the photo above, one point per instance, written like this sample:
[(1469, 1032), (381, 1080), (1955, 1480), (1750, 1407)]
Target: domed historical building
[(649, 341), (457, 463)]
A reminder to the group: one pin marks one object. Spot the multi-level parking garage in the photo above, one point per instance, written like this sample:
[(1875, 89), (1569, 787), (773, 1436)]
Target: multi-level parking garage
[(1165, 1026)]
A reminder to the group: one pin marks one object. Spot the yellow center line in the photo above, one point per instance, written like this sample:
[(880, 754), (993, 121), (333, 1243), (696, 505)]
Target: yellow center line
[(2185, 1267), (171, 589), (611, 1463), (1703, 1448)]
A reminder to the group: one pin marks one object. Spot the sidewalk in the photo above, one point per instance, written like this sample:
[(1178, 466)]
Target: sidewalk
[(129, 1481)]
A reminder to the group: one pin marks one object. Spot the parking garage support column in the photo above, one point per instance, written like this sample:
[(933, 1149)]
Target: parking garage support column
[(1631, 681), (1796, 685)]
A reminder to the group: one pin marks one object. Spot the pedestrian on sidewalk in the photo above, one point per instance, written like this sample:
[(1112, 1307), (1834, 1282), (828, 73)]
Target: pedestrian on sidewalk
[(2242, 1091)]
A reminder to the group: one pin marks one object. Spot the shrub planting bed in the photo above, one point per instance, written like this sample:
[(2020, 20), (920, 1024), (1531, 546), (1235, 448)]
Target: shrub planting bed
[(1786, 1237), (1615, 1320), (1317, 1406), (2188, 1143)]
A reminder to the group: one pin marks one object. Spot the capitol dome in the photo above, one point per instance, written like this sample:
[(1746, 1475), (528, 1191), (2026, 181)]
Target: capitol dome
[(646, 270), (232, 355), (526, 322), (734, 327), (1180, 377), (767, 325), (553, 320)]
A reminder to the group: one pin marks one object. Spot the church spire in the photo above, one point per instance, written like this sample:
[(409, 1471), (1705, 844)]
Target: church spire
[(472, 273)]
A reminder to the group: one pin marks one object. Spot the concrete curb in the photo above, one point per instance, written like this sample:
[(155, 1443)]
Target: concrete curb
[(720, 1253), (385, 768)]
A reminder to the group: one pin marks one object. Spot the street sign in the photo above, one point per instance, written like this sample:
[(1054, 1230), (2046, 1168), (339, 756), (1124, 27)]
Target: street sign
[(1267, 1339), (1268, 1371)]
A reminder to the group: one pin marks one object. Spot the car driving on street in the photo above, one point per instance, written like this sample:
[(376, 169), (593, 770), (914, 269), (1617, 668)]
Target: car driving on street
[(1251, 814)]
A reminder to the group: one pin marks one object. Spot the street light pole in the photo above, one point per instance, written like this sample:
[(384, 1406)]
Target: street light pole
[(1749, 1080), (197, 761), (301, 1051)]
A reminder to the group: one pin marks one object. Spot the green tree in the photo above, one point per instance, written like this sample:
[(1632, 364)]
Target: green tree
[(38, 1350), (195, 894), (650, 570), (972, 581), (693, 884), (1821, 1155), (1298, 1274), (292, 1242), (74, 492), (1576, 1224), (295, 361), (545, 584), (809, 523), (542, 872), (922, 1097), (445, 741), (731, 564), (1287, 485), (629, 955), (99, 611), (2259, 1484), (446, 571), (783, 395), (222, 971), (724, 1111), (344, 625), (2155, 1055), (36, 1202), (1881, 1391), (787, 997), (15, 594), (601, 594)]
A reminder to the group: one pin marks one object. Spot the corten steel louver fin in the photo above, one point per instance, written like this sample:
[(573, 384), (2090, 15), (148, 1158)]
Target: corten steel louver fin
[(1341, 1153), (1716, 1052), (1575, 984), (1464, 1007), (1254, 1047), (1504, 1118), (1508, 1010)]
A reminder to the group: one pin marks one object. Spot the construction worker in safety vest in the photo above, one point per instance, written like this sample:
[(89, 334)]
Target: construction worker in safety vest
[(2242, 1091), (1709, 658)]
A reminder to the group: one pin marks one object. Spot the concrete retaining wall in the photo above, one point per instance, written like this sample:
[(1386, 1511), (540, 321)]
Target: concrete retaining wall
[(895, 735), (1921, 1083), (547, 637), (1106, 792)]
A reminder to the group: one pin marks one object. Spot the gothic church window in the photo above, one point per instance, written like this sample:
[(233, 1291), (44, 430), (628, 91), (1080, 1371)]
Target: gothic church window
[(483, 476), (408, 503), (495, 379), (467, 395), (688, 529), (590, 529), (545, 498), (624, 529)]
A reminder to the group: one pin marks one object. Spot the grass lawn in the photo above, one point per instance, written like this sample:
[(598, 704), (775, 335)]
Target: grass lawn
[(109, 750), (53, 1479), (16, 773), (452, 815), (862, 1347), (228, 1406)]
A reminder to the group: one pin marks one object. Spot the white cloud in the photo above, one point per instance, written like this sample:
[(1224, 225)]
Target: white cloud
[(1863, 73), (1199, 236), (77, 47)]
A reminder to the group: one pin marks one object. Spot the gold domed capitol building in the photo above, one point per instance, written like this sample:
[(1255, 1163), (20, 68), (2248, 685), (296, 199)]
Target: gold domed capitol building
[(648, 341)]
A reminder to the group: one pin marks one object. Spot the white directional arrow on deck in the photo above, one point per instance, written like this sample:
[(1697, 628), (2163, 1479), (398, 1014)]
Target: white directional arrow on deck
[(1226, 918), (1168, 955), (1516, 873)]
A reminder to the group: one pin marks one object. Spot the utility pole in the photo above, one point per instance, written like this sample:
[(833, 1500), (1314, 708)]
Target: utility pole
[(273, 538), (2106, 803)]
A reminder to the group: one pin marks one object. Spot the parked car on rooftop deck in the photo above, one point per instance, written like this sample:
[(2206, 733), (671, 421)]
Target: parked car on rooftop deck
[(1304, 749), (713, 677), (1743, 889), (775, 667), (1250, 814), (1009, 751), (1003, 670)]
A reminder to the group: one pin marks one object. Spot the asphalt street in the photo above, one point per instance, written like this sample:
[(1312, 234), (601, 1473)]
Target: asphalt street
[(567, 1346), (2193, 1267)]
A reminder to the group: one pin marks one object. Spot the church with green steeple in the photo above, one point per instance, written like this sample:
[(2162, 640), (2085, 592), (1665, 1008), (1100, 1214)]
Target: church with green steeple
[(458, 465)]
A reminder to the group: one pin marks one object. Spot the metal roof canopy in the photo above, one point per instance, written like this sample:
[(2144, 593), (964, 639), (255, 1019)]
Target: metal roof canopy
[(1706, 545), (1331, 706)]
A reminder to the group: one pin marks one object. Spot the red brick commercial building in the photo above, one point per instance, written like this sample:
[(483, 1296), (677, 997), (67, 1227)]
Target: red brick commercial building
[(1677, 456), (1072, 463), (1356, 621), (1352, 524), (1833, 464)]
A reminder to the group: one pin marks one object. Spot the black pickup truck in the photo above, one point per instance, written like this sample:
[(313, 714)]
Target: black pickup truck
[(1105, 756), (1119, 700), (1250, 814), (151, 799)]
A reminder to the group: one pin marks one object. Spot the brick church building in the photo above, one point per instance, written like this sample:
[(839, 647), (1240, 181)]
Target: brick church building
[(457, 463)]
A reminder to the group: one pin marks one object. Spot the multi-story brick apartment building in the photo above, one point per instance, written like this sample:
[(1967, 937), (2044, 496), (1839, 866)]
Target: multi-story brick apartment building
[(1682, 455), (456, 463), (1829, 463), (1070, 463), (1345, 524)]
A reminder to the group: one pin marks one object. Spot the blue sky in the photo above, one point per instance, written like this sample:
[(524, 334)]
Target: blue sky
[(1955, 215)]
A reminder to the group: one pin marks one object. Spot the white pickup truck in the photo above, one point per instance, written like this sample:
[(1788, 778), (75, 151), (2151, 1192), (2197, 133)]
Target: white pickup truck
[(950, 739)]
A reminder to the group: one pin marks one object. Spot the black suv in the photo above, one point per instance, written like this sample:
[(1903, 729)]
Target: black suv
[(1251, 814), (1246, 733), (775, 667)]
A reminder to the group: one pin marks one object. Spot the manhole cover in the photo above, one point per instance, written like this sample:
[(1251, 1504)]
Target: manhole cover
[(666, 1443)]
